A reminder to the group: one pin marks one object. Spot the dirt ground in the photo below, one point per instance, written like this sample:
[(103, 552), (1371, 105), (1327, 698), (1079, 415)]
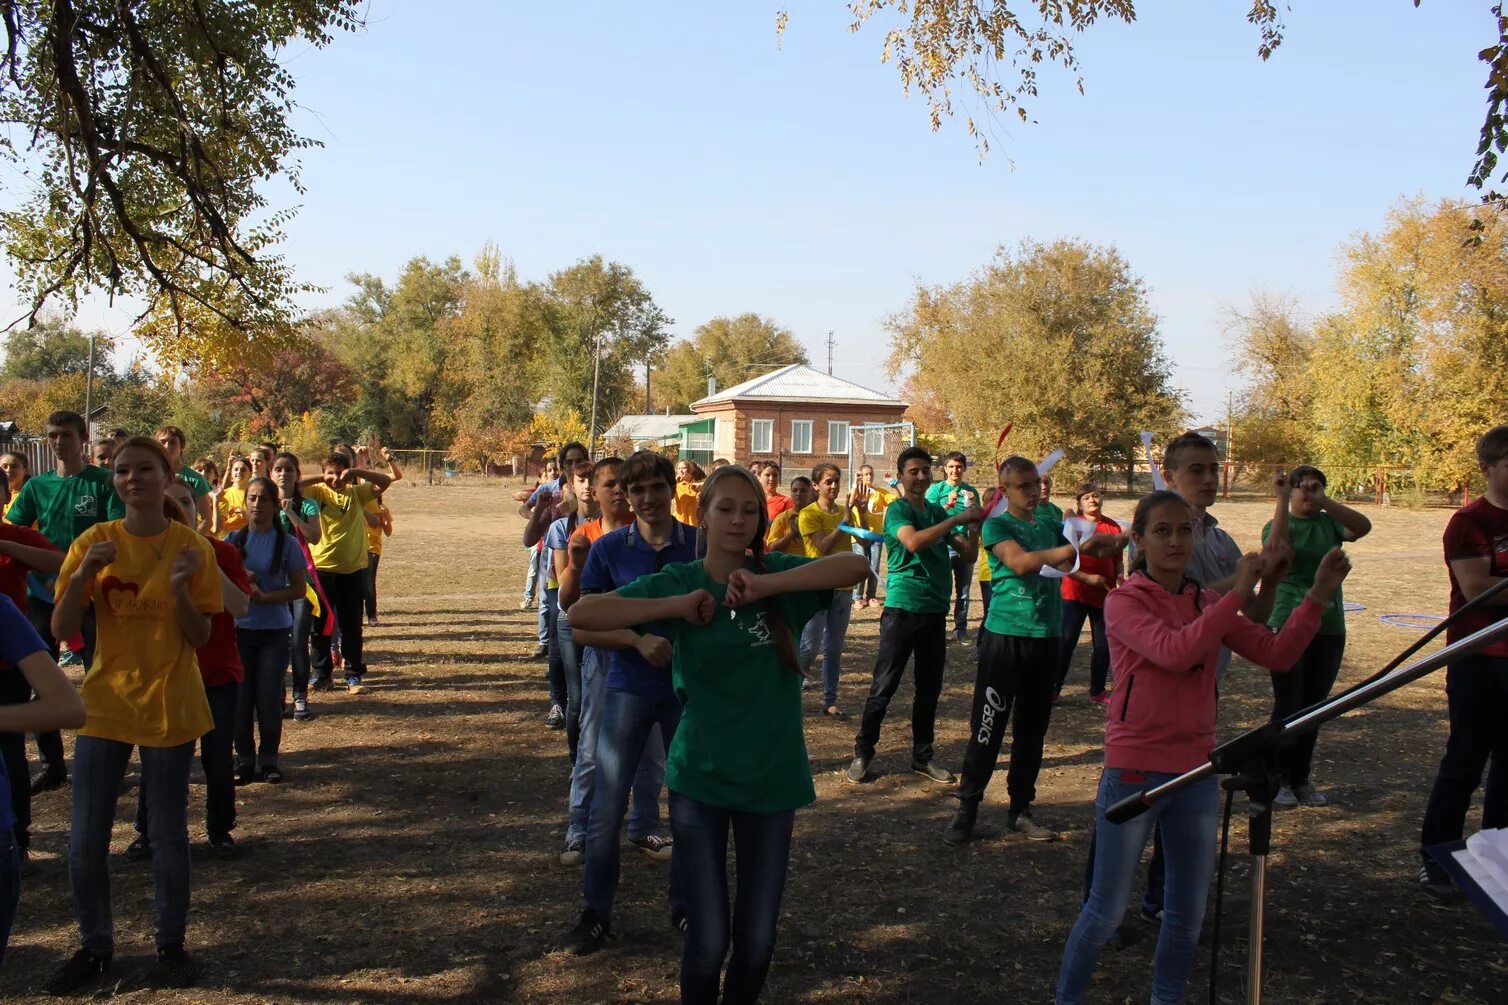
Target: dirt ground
[(411, 855)]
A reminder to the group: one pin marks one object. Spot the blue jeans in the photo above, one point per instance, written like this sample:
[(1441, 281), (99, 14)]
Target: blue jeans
[(1188, 821), (569, 655), (303, 627), (762, 842), (98, 768), (549, 609), (219, 767), (644, 820), (259, 696), (866, 588), (833, 622), (627, 723), (10, 887)]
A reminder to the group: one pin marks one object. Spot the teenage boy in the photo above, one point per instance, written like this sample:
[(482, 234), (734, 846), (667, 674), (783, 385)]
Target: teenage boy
[(1045, 506), (872, 517), (918, 537), (957, 496), (644, 820), (638, 695), (62, 504), (1476, 687), (1018, 652), (340, 561), (173, 441)]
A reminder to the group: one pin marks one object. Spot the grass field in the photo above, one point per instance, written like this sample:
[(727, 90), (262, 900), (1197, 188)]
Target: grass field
[(411, 855)]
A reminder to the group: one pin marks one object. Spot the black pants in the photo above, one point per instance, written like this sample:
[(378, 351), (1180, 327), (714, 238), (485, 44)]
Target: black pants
[(219, 768), (1016, 674), (986, 591), (1476, 692), (345, 591), (1074, 614), (372, 559), (963, 576), (1308, 682), (903, 633)]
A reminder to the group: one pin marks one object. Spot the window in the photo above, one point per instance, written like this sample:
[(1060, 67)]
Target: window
[(837, 437), (874, 441), (801, 436), (762, 435)]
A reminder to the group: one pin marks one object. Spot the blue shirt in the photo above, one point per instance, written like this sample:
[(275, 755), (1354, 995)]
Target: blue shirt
[(552, 486), (617, 559), (18, 640), (259, 548)]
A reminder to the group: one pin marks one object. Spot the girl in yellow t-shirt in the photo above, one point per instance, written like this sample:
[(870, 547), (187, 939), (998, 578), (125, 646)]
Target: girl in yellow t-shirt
[(785, 533), (379, 525), (688, 482), (231, 504), (154, 586), (16, 469)]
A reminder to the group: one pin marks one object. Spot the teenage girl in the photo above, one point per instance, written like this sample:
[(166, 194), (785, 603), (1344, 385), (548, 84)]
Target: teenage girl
[(1084, 593), (16, 469), (300, 517), (379, 525), (828, 632), (230, 505)]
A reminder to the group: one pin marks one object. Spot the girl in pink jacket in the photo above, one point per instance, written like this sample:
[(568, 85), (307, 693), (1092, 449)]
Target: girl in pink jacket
[(1165, 637)]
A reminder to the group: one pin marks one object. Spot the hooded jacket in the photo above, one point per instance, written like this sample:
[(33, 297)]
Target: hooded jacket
[(1164, 650)]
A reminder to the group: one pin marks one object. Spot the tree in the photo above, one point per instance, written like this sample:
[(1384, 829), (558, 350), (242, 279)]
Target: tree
[(730, 350), (52, 347), (1272, 344), (264, 397), (1075, 360)]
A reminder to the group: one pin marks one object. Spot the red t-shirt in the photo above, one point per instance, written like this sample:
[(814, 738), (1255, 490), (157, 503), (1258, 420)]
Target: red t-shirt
[(1072, 589), (1477, 530), (13, 573), (778, 504), (219, 660)]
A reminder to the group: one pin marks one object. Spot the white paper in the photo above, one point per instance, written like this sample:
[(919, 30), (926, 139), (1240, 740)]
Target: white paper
[(1158, 482), (1075, 531), (1050, 461), (1485, 862)]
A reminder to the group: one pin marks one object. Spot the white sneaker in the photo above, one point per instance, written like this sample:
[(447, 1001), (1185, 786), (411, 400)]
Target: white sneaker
[(1308, 795), (1285, 799)]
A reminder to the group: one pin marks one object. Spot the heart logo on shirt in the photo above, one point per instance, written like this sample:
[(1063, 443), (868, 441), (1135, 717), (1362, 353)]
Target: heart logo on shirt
[(115, 591)]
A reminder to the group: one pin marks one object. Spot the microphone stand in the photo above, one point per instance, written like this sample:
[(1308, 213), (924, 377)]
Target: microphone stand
[(1250, 761)]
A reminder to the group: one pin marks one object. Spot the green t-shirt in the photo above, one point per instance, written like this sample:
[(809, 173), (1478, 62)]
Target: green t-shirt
[(740, 744), (196, 482), (308, 509), (940, 491), (1050, 511), (921, 583), (1029, 606), (1311, 539), (63, 507)]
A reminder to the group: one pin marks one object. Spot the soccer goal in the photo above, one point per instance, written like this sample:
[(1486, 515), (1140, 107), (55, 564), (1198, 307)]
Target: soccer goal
[(877, 444)]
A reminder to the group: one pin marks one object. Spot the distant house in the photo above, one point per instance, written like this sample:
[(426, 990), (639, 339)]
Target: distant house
[(647, 432), (796, 415)]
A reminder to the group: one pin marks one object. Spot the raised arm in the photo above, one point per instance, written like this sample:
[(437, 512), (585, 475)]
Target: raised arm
[(914, 540), (378, 478), (1355, 525), (35, 555), (392, 465), (833, 572), (601, 612)]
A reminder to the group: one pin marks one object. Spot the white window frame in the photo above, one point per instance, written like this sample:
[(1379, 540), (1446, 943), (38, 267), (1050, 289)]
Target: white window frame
[(834, 445), (767, 427), (804, 426), (874, 441)]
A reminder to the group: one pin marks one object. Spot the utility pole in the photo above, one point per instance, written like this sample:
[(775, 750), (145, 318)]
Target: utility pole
[(591, 440), (830, 343), (89, 389), (647, 367)]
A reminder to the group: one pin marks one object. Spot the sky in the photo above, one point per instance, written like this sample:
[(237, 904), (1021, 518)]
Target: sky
[(796, 180)]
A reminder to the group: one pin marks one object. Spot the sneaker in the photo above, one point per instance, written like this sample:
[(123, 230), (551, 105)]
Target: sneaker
[(69, 658), (301, 711), (678, 919), (224, 847), (318, 684), (1285, 799), (858, 770), (961, 830), (574, 854), (372, 621), (353, 685), (933, 773), (960, 636), (1308, 795), (246, 775), (139, 850), (82, 968), (656, 846), (1103, 698), (47, 779), (1022, 823), (556, 718), (541, 651), (174, 969), (1151, 915), (590, 934), (1434, 881), (272, 775)]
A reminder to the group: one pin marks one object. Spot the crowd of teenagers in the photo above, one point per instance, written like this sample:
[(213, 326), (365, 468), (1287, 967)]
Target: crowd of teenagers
[(683, 612), (184, 593)]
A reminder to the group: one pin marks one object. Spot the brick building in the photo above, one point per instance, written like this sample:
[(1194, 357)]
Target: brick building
[(795, 415)]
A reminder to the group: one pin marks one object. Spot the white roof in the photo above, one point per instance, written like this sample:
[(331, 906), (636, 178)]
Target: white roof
[(650, 427), (799, 382)]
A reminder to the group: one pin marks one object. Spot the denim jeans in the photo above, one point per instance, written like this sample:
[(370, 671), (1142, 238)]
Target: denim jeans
[(1074, 614), (1308, 683), (554, 668), (303, 628), (569, 655), (963, 576), (346, 592), (628, 722), (833, 624), (644, 818), (533, 577), (537, 574), (762, 843), (1188, 821), (10, 887), (218, 763), (1476, 693), (901, 634), (98, 768), (259, 700), (866, 588)]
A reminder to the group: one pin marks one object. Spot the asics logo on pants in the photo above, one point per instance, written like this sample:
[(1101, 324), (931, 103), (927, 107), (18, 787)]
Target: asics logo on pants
[(992, 703)]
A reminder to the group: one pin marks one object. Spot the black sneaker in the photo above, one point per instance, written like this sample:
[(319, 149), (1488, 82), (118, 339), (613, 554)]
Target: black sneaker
[(656, 846), (47, 779), (678, 919), (961, 830), (320, 684), (174, 969), (933, 773), (858, 769), (82, 968), (139, 850), (223, 845), (541, 651), (590, 934), (1437, 884), (556, 718), (272, 775), (245, 776), (301, 712)]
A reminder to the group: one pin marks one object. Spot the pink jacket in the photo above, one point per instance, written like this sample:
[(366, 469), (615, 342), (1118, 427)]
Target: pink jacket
[(1163, 653)]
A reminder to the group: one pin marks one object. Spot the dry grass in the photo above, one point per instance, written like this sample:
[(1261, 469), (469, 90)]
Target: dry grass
[(411, 856)]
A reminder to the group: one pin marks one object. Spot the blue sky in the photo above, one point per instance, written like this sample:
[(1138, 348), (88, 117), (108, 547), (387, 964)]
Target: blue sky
[(797, 181)]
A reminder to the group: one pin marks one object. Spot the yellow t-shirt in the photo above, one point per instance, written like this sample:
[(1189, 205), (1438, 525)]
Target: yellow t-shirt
[(685, 503), (375, 534), (814, 520), (985, 576), (232, 506), (874, 513), (342, 543), (144, 686), (780, 528)]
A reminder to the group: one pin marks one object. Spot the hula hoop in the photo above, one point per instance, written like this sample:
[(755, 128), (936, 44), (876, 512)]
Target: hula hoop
[(861, 533), (1352, 606), (1406, 621)]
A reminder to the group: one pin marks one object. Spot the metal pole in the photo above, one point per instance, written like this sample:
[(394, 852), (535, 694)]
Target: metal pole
[(1254, 949), (591, 440), (89, 387)]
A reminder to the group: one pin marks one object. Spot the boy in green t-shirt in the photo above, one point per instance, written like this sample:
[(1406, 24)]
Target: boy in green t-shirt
[(1018, 649), (918, 537), (956, 497), (1316, 524), (174, 442)]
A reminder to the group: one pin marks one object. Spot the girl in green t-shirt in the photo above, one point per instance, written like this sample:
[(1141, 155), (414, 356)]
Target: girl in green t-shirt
[(738, 760)]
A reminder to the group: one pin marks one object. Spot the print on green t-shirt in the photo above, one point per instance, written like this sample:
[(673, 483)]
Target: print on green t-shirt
[(1029, 606), (921, 583), (1311, 538), (940, 492), (64, 506), (740, 744)]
